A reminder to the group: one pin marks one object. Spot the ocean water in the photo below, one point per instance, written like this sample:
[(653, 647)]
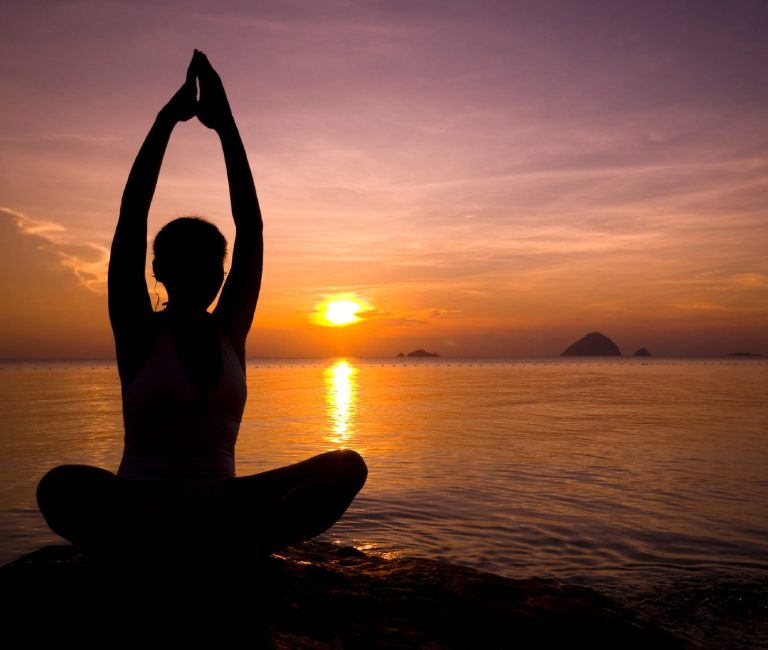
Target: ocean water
[(645, 479)]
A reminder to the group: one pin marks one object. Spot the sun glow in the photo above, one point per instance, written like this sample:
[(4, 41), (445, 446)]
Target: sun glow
[(340, 310)]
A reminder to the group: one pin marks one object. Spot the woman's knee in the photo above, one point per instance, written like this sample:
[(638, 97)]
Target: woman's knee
[(54, 482), (351, 465), (65, 482), (74, 500)]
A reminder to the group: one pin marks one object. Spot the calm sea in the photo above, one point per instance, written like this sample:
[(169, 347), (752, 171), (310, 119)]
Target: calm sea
[(647, 480)]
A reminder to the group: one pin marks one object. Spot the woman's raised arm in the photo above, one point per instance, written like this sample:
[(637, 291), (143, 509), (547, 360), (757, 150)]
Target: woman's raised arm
[(237, 304), (129, 303)]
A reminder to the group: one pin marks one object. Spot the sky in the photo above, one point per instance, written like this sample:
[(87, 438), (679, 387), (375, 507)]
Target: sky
[(488, 178)]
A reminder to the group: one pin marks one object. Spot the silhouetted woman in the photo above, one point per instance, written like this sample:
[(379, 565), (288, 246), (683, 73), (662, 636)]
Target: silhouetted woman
[(182, 372)]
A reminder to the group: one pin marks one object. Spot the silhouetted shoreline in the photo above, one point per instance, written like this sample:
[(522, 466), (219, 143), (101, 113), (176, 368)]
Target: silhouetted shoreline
[(312, 595)]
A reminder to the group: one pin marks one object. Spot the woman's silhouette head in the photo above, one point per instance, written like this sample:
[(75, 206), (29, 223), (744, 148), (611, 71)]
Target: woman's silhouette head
[(189, 261)]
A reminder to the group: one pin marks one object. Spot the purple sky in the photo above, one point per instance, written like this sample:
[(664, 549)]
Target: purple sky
[(493, 177)]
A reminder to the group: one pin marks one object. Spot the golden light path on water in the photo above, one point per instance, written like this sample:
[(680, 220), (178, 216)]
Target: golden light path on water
[(341, 394)]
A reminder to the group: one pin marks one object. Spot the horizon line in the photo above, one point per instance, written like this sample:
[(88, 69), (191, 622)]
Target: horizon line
[(744, 355)]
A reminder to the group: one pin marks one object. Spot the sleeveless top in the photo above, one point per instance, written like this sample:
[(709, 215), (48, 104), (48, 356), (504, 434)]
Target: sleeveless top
[(172, 429)]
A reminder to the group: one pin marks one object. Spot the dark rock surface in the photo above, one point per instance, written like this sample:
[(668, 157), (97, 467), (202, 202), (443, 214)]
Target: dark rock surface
[(593, 344), (642, 352), (315, 595)]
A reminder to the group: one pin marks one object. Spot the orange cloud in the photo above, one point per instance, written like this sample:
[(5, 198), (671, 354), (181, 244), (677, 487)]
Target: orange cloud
[(48, 311), (88, 261)]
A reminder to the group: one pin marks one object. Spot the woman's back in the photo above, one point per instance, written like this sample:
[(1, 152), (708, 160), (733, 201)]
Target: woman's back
[(176, 428)]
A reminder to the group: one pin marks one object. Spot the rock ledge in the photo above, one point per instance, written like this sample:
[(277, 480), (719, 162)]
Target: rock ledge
[(314, 595)]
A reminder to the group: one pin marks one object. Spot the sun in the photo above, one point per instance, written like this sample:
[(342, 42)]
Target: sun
[(340, 310)]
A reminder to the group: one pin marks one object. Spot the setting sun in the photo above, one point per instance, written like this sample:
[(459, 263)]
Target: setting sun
[(340, 310)]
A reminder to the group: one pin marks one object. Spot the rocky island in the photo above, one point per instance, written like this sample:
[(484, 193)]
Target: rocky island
[(314, 595), (642, 352), (593, 344), (419, 353)]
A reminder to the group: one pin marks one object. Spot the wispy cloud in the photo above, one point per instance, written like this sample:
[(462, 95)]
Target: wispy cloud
[(88, 261)]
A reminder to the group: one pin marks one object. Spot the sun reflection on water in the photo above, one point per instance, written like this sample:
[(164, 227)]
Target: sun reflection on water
[(341, 401)]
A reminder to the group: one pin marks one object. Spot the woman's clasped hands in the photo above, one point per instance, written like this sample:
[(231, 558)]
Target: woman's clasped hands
[(211, 107)]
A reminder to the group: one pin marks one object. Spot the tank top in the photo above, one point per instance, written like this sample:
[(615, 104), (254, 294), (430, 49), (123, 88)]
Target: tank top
[(172, 429)]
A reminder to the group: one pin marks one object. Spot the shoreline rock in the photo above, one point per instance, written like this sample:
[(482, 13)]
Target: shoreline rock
[(313, 595)]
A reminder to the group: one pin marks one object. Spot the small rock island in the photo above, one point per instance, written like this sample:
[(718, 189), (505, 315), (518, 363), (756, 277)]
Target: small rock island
[(642, 352), (593, 344), (419, 353)]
